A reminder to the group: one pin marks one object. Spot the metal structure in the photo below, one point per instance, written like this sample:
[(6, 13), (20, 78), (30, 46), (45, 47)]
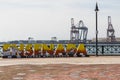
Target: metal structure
[(110, 31), (54, 38), (96, 11), (83, 31), (74, 33), (31, 40), (79, 32)]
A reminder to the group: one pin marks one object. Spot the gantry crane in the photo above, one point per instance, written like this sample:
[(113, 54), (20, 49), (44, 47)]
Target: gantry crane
[(110, 31), (79, 32)]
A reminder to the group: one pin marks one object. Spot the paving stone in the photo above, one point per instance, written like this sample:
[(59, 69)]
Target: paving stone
[(1, 71), (21, 74), (74, 75), (32, 70), (89, 79), (48, 68), (18, 78)]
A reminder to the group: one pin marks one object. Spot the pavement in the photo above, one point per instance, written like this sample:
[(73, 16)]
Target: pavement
[(66, 60)]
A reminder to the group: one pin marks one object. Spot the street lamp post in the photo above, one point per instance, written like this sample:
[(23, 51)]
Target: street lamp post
[(96, 11)]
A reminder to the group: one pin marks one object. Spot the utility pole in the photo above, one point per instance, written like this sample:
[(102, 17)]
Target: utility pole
[(96, 11)]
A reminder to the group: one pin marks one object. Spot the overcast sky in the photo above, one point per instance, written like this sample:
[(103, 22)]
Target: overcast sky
[(43, 19)]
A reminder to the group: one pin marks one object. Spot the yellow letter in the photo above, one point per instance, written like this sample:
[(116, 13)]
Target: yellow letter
[(59, 49), (69, 47), (21, 47), (37, 48), (81, 49), (5, 47), (45, 48), (29, 49), (14, 46)]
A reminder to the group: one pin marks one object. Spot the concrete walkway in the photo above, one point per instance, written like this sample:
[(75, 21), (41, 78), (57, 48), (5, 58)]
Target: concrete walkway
[(73, 60)]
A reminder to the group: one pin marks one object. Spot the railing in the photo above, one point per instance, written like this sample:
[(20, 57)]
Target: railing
[(103, 49)]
